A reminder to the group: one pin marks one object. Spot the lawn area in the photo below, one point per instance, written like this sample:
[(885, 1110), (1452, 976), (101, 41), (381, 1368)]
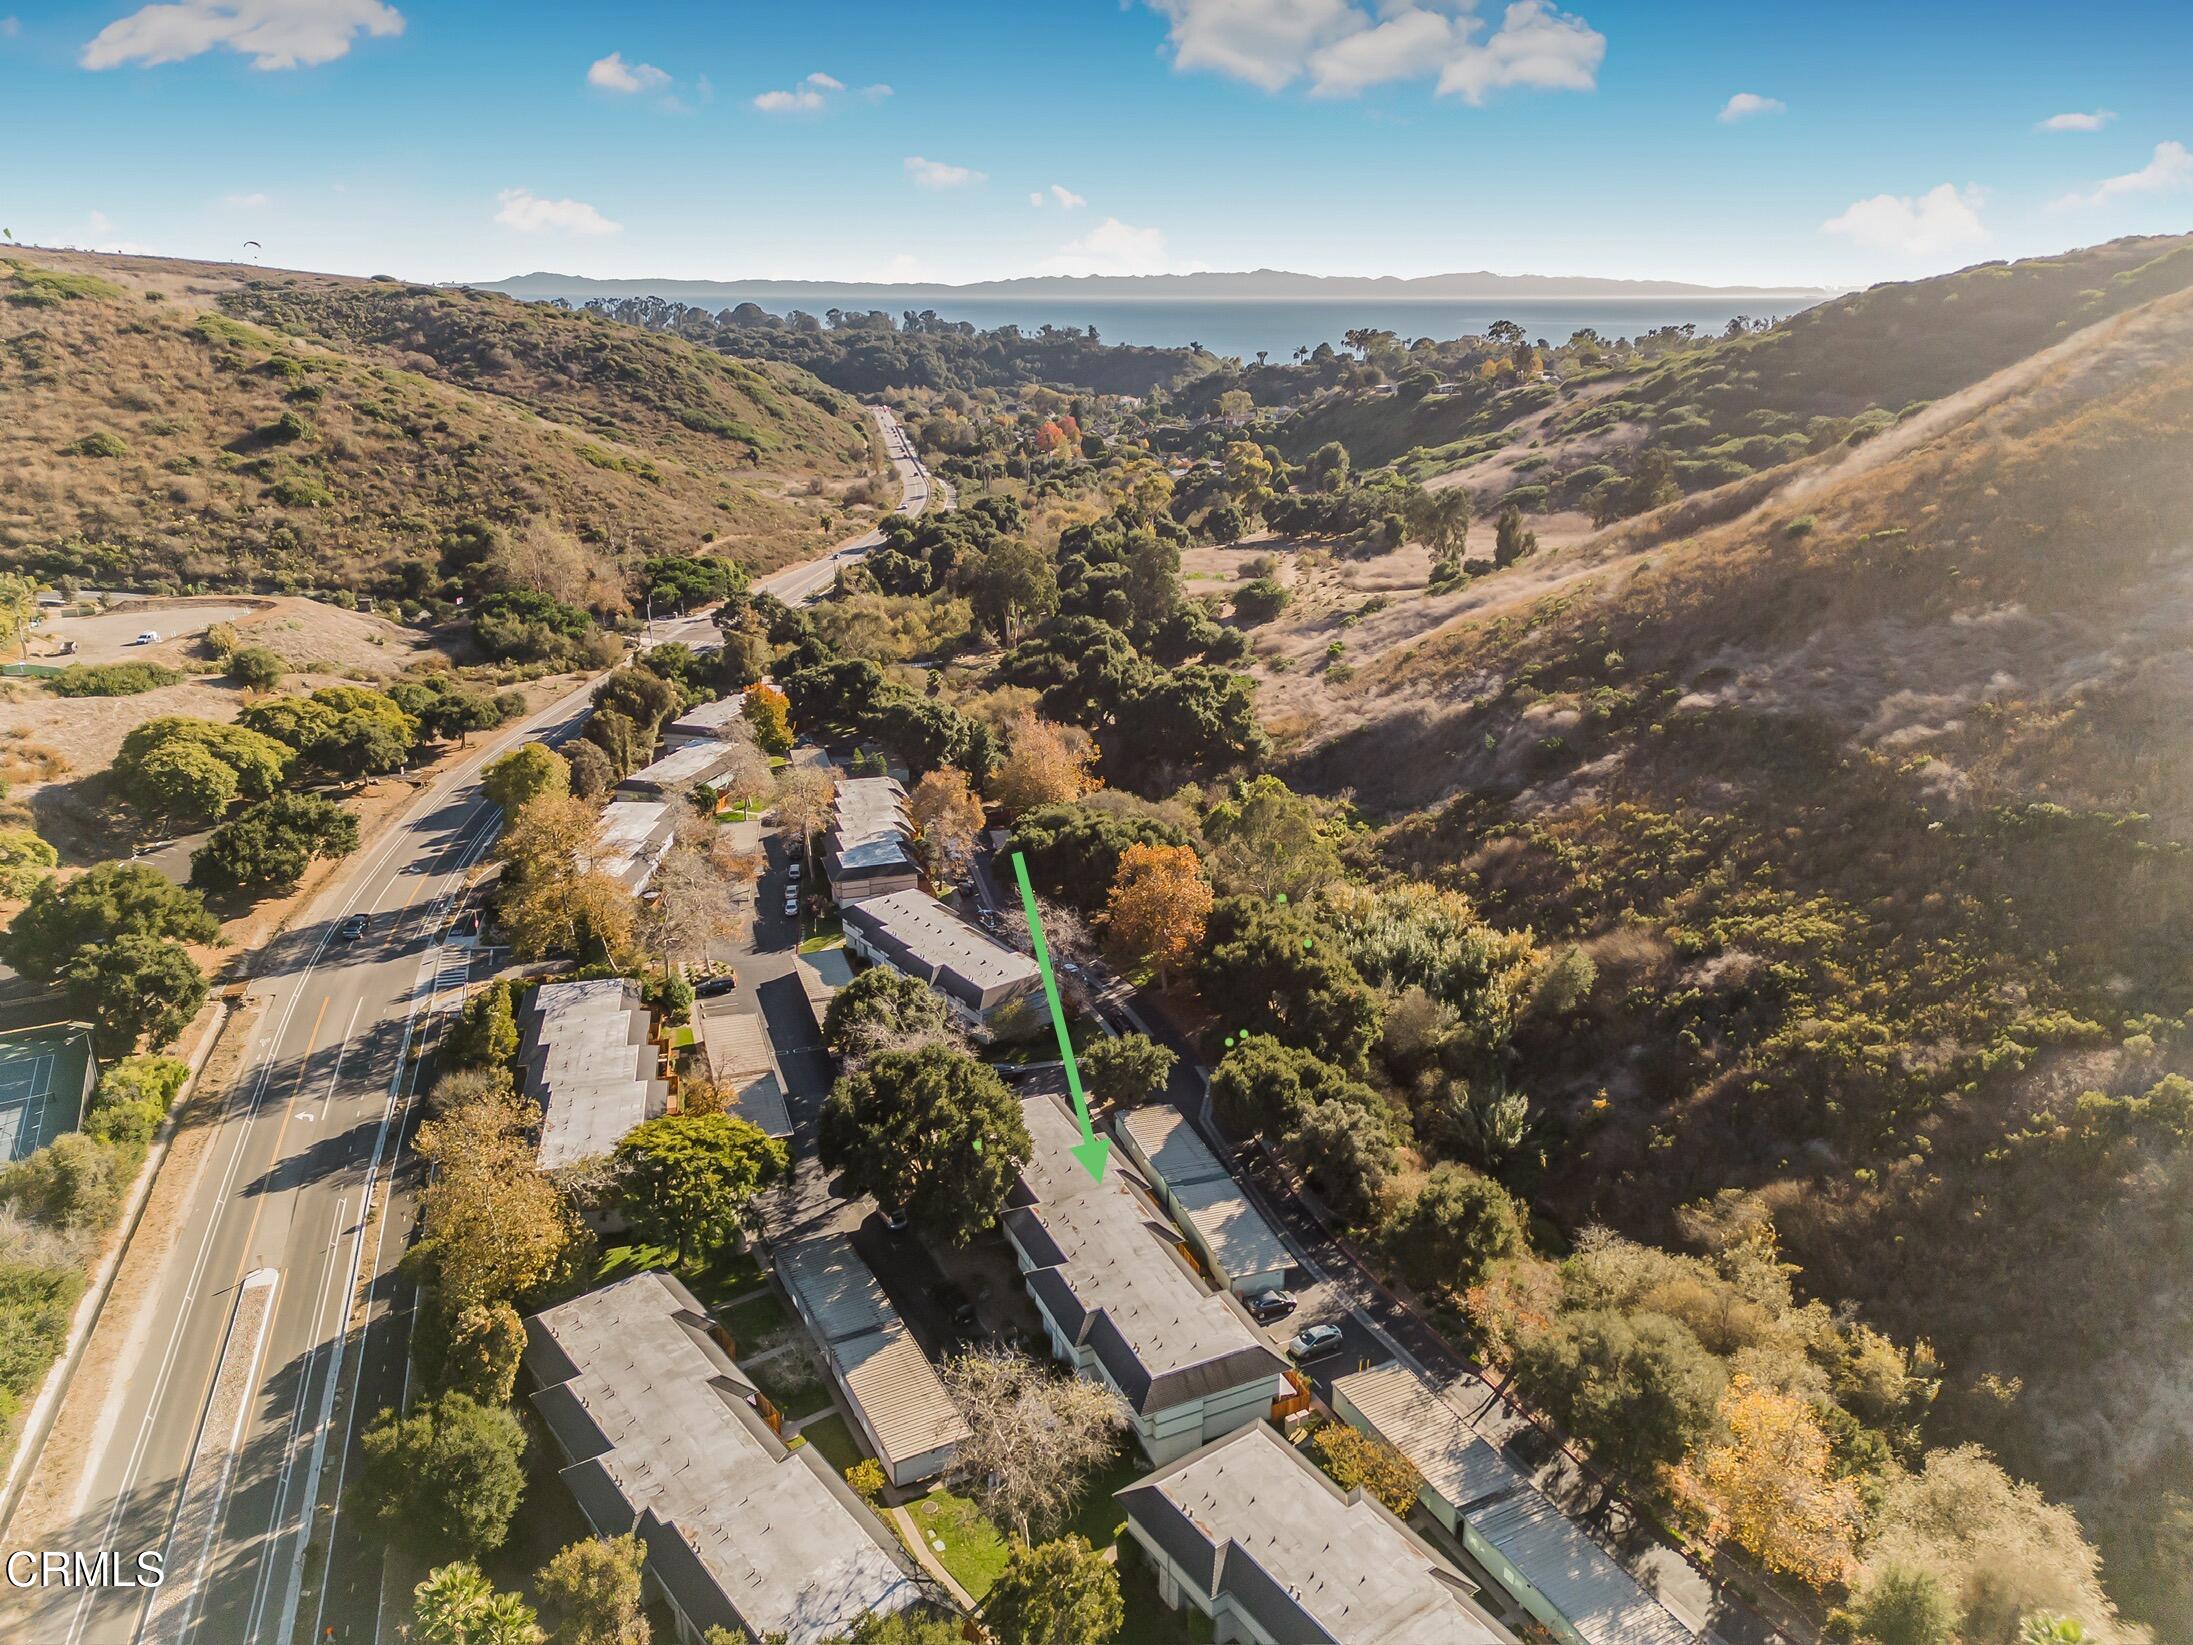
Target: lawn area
[(823, 933), (1099, 1517), (835, 1441), (792, 1386), (754, 1320), (720, 1276), (974, 1550)]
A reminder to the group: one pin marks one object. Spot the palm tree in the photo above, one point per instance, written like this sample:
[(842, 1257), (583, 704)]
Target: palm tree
[(457, 1605)]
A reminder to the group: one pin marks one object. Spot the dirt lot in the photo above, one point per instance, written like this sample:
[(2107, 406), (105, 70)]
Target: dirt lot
[(54, 743), (309, 633), (110, 636)]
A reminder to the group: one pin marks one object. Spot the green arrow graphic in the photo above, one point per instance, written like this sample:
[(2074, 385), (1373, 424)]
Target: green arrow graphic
[(1092, 1150)]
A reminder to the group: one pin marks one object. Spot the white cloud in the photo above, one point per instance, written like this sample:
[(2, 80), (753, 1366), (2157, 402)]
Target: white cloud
[(1342, 48), (528, 213), (876, 93), (274, 34), (1536, 47), (811, 95), (2168, 169), (2077, 122), (935, 174), (10, 27), (1112, 247), (1945, 218), (803, 101), (1067, 199), (1746, 105), (1403, 45), (613, 73), (254, 201)]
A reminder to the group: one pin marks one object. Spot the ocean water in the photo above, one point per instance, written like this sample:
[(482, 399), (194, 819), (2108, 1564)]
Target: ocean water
[(1278, 326)]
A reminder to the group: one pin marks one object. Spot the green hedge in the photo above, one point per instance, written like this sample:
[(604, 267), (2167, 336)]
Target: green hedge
[(113, 679)]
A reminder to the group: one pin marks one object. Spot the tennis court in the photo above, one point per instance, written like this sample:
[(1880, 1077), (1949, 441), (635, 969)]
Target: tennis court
[(45, 1075)]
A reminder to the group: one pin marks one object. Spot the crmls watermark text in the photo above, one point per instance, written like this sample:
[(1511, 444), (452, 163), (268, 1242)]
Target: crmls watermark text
[(51, 1568)]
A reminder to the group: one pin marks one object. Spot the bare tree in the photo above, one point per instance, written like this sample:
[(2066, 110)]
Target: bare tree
[(1069, 941), (1036, 1436), (695, 902), (803, 802)]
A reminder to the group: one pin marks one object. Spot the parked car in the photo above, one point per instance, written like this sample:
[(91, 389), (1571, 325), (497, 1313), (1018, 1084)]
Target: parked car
[(792, 904), (1314, 1342), (794, 871), (895, 1221), (1267, 1306), (354, 926), (709, 988)]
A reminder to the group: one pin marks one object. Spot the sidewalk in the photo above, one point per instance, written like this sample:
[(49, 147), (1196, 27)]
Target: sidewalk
[(928, 1561)]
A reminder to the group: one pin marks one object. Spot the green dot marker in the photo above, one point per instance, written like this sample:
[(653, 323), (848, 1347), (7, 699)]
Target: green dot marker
[(1306, 943), (978, 1145), (1282, 897)]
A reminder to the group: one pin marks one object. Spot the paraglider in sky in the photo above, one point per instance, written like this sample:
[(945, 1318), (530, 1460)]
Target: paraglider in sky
[(255, 249)]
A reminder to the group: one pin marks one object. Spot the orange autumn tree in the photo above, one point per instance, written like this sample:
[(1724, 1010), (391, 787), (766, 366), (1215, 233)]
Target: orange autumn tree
[(1045, 764), (1770, 1487), (769, 716), (1158, 908)]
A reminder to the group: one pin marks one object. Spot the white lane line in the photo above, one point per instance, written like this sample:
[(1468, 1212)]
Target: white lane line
[(406, 1072), (249, 1099), (172, 1608), (260, 1582), (296, 1424)]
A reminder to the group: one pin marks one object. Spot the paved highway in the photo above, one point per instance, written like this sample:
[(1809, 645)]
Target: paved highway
[(230, 1427)]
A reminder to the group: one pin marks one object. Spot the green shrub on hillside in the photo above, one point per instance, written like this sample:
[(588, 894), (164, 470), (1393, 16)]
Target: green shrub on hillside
[(99, 443), (112, 679)]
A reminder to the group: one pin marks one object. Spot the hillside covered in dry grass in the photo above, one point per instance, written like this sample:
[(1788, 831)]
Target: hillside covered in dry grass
[(1868, 786), (183, 425)]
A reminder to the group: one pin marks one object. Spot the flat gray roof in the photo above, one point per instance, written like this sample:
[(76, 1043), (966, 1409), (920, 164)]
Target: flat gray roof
[(1579, 1578), (740, 1524), (706, 719), (634, 835), (821, 975), (627, 825), (686, 767), (922, 935), (1121, 1284), (743, 1066), (1310, 1561), (868, 826), (1235, 1231), (901, 1397), (590, 1066)]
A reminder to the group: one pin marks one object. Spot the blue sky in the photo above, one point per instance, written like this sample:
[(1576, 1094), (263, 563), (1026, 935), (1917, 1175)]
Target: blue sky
[(868, 141)]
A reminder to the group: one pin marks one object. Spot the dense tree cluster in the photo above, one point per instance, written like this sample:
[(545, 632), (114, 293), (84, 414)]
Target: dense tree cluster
[(930, 1132), (868, 353)]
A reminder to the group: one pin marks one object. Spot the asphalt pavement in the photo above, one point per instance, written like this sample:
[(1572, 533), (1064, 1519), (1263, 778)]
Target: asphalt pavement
[(227, 1434)]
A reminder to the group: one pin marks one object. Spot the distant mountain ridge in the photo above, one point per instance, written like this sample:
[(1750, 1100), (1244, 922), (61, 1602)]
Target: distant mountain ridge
[(1246, 286)]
